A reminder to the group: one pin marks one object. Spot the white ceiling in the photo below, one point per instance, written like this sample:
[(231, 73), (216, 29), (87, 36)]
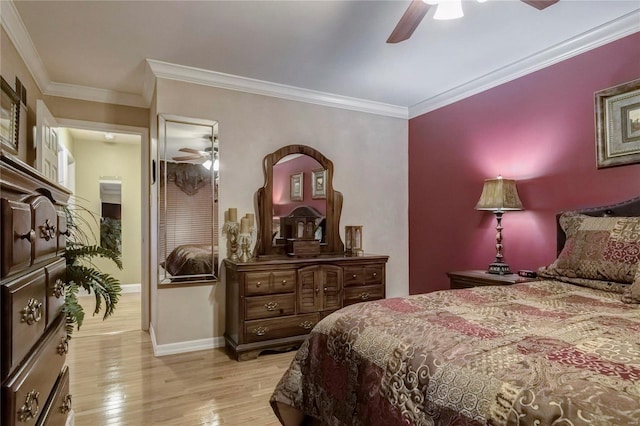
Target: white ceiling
[(99, 48)]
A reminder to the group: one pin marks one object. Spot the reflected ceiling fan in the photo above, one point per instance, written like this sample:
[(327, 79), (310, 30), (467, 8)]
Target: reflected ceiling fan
[(208, 154), (196, 154), (446, 9)]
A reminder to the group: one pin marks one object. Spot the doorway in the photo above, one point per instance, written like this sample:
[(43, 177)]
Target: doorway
[(103, 154)]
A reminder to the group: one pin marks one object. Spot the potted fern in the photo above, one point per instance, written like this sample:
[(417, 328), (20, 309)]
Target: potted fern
[(82, 272)]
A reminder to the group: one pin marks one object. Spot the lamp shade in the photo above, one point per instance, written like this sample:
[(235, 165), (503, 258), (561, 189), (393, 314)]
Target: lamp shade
[(499, 195)]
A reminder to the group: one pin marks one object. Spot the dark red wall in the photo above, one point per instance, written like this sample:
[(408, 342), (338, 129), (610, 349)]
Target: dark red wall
[(539, 130)]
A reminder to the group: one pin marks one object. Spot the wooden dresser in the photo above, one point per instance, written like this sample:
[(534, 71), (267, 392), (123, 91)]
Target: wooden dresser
[(35, 379), (273, 303)]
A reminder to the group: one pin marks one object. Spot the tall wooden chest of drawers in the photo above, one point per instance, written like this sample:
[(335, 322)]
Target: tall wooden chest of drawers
[(34, 377), (273, 303)]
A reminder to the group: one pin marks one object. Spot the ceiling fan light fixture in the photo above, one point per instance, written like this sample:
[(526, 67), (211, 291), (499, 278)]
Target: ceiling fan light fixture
[(449, 9), (207, 164)]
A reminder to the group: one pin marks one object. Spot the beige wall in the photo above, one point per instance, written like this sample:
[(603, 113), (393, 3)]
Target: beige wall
[(370, 157), (96, 159), (12, 66)]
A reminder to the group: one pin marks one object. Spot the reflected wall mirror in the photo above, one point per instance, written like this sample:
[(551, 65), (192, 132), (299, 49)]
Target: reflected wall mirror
[(111, 213), (187, 200), (297, 201)]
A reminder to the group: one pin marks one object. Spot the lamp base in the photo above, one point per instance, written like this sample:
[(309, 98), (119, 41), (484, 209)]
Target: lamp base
[(499, 268)]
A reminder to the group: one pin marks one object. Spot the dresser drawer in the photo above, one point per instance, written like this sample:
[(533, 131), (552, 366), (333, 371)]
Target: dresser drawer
[(362, 294), (270, 306), (23, 317), (283, 281), (373, 274), (353, 275), (27, 391), (44, 221), (56, 273), (257, 283), (275, 328), (63, 231), (16, 236), (59, 403)]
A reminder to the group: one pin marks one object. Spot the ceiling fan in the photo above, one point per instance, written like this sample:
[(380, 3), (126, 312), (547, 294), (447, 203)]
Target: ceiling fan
[(196, 154), (418, 9)]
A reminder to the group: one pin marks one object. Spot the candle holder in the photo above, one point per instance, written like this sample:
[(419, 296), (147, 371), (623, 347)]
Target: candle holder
[(244, 241), (231, 229)]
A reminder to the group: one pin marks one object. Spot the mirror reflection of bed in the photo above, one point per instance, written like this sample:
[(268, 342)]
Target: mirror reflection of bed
[(188, 213)]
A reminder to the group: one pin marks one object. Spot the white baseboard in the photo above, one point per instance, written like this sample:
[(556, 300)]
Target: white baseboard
[(126, 288), (183, 347), (130, 288)]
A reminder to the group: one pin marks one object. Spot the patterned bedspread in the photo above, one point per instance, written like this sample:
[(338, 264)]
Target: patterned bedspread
[(538, 353)]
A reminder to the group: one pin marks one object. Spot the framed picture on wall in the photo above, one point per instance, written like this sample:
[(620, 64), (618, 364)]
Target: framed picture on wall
[(9, 118), (295, 188), (618, 125), (319, 183)]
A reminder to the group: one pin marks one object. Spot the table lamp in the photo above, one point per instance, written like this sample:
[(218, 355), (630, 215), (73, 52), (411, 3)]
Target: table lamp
[(499, 195)]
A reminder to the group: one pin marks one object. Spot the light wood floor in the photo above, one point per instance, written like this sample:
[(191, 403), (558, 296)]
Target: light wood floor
[(116, 380)]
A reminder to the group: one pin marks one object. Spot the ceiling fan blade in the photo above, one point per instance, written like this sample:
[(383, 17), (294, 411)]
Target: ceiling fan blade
[(190, 150), (540, 4), (187, 157), (409, 21)]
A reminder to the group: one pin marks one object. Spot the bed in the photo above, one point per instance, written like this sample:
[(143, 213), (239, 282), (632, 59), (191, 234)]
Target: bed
[(190, 260), (563, 350)]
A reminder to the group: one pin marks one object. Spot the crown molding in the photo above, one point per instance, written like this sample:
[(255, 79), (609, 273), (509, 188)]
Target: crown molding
[(19, 36), (93, 94), (17, 32), (243, 84), (599, 36)]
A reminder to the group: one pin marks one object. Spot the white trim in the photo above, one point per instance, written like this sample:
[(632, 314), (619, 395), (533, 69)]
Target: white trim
[(249, 85), (86, 93), (183, 347), (131, 288), (606, 33), (126, 288), (14, 26)]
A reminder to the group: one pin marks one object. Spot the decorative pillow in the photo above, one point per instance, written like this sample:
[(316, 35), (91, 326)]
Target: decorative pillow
[(602, 249)]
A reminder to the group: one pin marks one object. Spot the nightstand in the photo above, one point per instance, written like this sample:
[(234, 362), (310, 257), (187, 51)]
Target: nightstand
[(477, 278)]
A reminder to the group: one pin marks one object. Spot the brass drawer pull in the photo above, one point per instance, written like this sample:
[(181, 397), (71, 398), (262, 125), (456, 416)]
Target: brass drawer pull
[(48, 230), (306, 325), (258, 284), (63, 346), (284, 282), (271, 306), (32, 313), (260, 331), (375, 274), (29, 236), (66, 404), (364, 295), (58, 289), (27, 411), (354, 276)]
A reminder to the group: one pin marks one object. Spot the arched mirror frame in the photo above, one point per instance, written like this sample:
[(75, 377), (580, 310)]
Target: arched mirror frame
[(264, 204)]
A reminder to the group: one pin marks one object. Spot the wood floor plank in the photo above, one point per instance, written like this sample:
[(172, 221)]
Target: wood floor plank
[(116, 380)]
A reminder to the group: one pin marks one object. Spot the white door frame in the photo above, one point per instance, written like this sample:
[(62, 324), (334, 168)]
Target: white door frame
[(143, 132)]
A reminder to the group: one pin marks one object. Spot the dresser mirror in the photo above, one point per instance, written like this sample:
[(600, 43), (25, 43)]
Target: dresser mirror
[(297, 202), (187, 200)]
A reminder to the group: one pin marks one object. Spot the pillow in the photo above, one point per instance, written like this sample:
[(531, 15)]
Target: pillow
[(599, 248)]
